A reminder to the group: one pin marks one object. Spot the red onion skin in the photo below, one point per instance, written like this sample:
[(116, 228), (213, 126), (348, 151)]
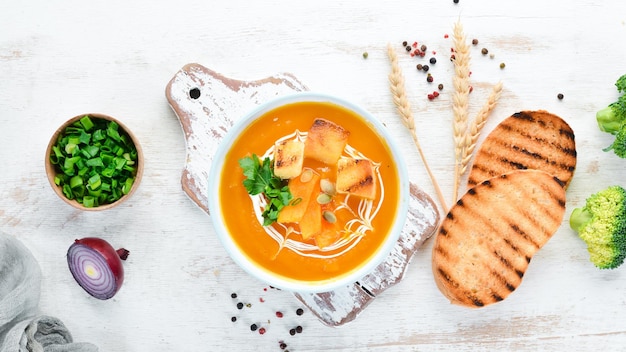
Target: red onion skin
[(113, 257)]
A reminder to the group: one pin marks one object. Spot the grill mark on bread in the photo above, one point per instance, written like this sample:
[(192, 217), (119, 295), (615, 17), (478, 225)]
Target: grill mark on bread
[(491, 234), (527, 140)]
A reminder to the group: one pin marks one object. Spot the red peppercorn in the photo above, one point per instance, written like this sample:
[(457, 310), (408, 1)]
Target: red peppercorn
[(435, 94), (429, 78), (262, 331), (279, 314), (446, 36), (430, 97), (415, 44)]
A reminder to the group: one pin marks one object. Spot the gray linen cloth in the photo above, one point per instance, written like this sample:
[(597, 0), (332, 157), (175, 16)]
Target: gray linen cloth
[(22, 328)]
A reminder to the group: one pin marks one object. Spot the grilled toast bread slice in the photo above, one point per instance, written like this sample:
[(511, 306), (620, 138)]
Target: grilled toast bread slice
[(488, 238), (526, 140)]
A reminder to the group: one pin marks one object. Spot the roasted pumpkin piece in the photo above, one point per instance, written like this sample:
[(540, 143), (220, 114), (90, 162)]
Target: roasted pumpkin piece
[(330, 233), (311, 222), (325, 141), (302, 189), (356, 177), (288, 158)]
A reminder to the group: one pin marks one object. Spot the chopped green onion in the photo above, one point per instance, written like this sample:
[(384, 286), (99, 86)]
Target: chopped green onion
[(86, 123), (95, 161)]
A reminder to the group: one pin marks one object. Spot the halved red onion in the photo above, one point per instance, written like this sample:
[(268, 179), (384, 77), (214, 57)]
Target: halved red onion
[(96, 266)]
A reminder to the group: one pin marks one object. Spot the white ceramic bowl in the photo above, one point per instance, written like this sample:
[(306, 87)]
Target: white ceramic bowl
[(265, 275)]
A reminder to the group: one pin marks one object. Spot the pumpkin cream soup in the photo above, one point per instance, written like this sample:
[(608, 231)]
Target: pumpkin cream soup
[(309, 191)]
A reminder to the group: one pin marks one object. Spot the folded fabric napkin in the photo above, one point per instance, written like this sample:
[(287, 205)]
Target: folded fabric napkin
[(22, 328)]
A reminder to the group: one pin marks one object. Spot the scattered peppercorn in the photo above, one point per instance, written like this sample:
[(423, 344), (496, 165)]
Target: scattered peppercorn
[(484, 51), (299, 311), (282, 345), (474, 41), (560, 96), (262, 331), (299, 329), (279, 314), (440, 86), (292, 332), (432, 60), (419, 67), (253, 327), (423, 47), (404, 43), (435, 93), (491, 56), (429, 78), (233, 295), (502, 65), (425, 68), (365, 55), (455, 1), (430, 96), (239, 305), (233, 319), (408, 48)]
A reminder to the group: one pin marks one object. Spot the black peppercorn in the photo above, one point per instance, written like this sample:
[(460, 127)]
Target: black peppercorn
[(560, 96), (292, 332), (300, 311), (253, 327), (432, 60), (425, 68), (299, 329), (233, 319), (408, 48), (233, 295), (239, 305), (404, 43)]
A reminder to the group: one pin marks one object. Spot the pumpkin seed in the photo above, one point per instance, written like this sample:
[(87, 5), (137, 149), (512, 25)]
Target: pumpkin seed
[(306, 175), (327, 187), (329, 216), (324, 198)]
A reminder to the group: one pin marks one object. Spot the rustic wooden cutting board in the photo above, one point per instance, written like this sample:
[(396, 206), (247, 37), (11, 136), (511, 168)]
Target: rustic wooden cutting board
[(208, 104)]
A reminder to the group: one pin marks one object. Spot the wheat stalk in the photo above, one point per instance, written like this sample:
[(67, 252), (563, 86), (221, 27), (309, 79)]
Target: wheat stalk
[(460, 100), (400, 100), (473, 132)]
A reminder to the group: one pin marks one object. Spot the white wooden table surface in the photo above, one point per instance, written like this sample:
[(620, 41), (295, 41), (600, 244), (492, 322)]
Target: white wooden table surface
[(63, 58)]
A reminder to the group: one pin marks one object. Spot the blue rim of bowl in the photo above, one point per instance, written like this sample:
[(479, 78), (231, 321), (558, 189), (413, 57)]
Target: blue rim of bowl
[(267, 276)]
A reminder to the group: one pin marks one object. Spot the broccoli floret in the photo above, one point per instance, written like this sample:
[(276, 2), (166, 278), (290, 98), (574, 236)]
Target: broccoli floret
[(612, 118), (619, 144), (601, 224), (621, 84)]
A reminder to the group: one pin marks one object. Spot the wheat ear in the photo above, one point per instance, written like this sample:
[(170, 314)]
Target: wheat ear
[(460, 100), (477, 125), (400, 100)]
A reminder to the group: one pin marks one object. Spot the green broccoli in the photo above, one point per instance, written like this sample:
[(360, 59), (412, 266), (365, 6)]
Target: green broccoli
[(601, 224), (612, 119)]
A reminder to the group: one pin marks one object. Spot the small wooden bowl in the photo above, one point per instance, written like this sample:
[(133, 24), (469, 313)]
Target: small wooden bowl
[(52, 171)]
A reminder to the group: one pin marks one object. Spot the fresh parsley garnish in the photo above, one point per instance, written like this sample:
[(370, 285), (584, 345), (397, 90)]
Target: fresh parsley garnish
[(260, 179)]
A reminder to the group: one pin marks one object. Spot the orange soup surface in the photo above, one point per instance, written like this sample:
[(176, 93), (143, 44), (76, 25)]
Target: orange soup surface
[(238, 210)]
